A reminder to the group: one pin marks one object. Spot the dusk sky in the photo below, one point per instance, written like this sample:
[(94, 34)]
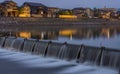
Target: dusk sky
[(75, 3)]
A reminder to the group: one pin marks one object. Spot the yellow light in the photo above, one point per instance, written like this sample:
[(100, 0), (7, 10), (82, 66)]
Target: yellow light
[(68, 16), (67, 32), (25, 34), (24, 15)]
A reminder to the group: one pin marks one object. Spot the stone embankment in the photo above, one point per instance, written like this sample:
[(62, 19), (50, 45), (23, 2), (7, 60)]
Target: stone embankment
[(15, 23)]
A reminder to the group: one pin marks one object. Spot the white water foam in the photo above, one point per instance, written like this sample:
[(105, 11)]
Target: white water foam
[(37, 61)]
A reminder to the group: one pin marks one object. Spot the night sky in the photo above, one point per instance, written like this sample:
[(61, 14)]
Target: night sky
[(75, 3)]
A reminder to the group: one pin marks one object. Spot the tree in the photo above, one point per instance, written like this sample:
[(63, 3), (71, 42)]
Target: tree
[(21, 10), (65, 12)]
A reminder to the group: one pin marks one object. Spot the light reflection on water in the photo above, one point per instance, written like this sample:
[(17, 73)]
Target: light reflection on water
[(109, 37)]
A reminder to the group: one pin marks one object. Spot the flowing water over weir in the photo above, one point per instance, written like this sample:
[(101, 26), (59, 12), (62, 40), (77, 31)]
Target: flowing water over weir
[(40, 47), (90, 54), (100, 56)]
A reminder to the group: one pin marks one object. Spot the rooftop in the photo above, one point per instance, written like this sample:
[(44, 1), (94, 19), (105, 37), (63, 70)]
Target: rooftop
[(35, 4)]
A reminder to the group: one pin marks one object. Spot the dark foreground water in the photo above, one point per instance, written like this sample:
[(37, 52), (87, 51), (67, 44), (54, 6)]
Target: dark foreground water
[(108, 36), (12, 62)]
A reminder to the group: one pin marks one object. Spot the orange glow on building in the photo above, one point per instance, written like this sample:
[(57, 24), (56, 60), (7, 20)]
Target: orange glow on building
[(68, 16), (25, 12), (25, 34)]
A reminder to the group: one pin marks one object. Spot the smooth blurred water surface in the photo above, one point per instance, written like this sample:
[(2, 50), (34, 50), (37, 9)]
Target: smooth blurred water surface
[(107, 36)]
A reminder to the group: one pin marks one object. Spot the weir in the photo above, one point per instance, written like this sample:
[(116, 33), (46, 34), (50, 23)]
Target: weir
[(28, 45), (17, 44), (110, 58), (90, 54), (53, 49), (69, 52), (8, 42), (2, 40), (100, 56), (40, 47)]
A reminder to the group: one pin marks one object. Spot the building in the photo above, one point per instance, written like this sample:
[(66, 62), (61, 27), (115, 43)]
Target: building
[(66, 14), (36, 9), (108, 9), (30, 9), (83, 12), (8, 8), (90, 13), (118, 13), (1, 10), (107, 13), (24, 11), (52, 12), (79, 12)]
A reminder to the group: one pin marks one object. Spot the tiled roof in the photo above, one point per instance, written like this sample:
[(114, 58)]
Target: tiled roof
[(35, 4), (9, 2)]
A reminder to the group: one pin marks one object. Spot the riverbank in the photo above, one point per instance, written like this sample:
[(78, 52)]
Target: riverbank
[(16, 24), (56, 21)]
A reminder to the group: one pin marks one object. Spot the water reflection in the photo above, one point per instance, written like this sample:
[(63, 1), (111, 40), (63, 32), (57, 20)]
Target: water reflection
[(82, 33), (25, 34), (108, 36)]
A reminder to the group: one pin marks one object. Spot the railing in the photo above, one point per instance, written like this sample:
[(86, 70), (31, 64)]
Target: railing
[(100, 56)]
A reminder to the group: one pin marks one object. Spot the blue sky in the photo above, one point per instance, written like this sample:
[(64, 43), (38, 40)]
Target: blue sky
[(75, 3)]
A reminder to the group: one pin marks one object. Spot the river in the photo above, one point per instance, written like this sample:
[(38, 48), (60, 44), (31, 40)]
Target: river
[(106, 36)]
